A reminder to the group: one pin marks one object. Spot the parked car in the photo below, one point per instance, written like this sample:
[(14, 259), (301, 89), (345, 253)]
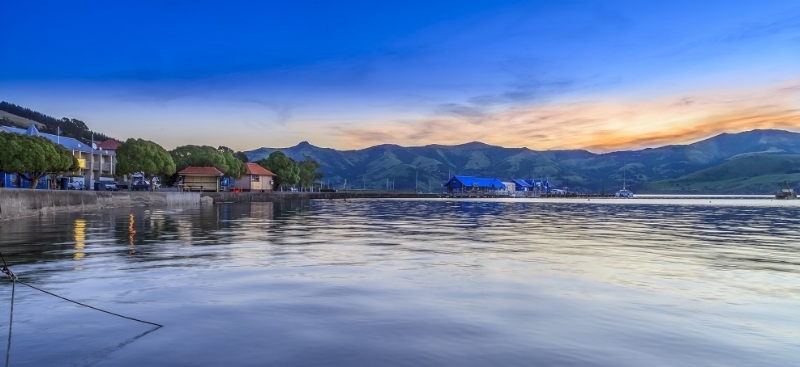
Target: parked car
[(140, 185)]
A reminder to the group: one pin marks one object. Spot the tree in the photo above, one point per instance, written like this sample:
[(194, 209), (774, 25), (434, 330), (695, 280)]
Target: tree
[(239, 155), (236, 168), (206, 156), (286, 169), (33, 157), (308, 174), (138, 155)]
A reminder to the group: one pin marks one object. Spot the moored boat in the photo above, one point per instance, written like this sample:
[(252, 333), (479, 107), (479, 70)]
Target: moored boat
[(624, 193), (786, 192)]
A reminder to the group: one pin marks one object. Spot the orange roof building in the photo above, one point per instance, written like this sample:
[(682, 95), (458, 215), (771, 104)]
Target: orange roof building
[(256, 178)]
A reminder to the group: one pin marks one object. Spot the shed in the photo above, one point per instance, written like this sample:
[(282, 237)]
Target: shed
[(465, 184), (201, 178), (256, 178)]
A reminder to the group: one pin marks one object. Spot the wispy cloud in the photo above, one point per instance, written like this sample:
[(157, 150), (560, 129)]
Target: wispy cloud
[(595, 125)]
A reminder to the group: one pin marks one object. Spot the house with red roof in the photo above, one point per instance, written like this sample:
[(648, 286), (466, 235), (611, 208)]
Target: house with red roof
[(257, 178), (110, 144), (201, 178)]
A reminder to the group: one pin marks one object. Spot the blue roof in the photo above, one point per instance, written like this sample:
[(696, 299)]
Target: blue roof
[(470, 181), (68, 143), (521, 183)]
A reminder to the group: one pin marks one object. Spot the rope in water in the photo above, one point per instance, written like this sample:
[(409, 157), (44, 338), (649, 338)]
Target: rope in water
[(92, 307), (14, 280), (10, 321)]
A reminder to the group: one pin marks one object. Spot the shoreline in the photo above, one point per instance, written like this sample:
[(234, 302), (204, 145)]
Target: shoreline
[(23, 203)]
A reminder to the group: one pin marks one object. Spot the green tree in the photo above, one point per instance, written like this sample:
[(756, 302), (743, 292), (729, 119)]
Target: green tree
[(33, 157), (286, 169), (206, 156), (138, 155), (308, 174), (239, 155), (197, 156), (236, 168)]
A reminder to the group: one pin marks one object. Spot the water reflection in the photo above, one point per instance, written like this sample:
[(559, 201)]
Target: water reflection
[(131, 231), (424, 282), (80, 237)]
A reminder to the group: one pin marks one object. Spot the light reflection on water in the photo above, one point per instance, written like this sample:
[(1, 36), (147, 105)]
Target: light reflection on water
[(412, 282)]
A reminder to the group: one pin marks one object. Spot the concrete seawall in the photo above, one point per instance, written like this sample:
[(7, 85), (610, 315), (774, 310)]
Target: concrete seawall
[(20, 203), (247, 197)]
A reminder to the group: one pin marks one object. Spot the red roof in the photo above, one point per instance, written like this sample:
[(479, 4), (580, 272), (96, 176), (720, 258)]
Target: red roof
[(255, 169), (201, 171), (110, 144)]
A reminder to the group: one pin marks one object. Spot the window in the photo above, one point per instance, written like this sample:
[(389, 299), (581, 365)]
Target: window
[(255, 178)]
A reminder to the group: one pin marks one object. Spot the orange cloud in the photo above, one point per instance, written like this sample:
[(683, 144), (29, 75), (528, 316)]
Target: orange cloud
[(599, 125)]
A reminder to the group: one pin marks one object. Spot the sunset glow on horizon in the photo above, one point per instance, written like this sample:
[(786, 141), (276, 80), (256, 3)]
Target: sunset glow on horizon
[(595, 75)]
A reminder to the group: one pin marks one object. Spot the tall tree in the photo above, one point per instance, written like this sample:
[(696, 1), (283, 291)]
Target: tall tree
[(308, 172), (33, 157), (139, 155), (286, 169)]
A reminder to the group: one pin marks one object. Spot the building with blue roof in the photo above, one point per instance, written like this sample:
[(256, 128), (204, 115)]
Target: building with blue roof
[(93, 163), (522, 185), (474, 185)]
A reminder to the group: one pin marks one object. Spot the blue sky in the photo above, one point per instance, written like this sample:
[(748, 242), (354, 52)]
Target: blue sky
[(600, 75)]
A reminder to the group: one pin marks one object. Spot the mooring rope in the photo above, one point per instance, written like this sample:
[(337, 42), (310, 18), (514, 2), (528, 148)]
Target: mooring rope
[(85, 305), (10, 321), (14, 280)]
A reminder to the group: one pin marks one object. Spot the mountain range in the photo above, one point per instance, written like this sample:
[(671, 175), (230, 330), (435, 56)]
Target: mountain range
[(753, 162)]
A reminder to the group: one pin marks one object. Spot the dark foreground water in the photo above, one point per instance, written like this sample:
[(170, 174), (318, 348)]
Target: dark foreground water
[(410, 283)]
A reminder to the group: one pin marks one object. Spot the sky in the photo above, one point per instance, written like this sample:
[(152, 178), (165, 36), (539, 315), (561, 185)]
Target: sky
[(545, 74)]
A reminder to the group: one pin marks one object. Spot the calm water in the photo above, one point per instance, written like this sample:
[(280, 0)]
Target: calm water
[(411, 283)]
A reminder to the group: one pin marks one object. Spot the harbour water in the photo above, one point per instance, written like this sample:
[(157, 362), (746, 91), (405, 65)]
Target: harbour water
[(517, 282)]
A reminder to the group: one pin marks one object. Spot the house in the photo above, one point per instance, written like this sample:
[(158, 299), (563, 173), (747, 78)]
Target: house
[(110, 144), (256, 178), (469, 184), (92, 161), (201, 178)]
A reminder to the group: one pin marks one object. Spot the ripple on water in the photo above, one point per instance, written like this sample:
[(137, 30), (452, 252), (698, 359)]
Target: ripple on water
[(414, 282)]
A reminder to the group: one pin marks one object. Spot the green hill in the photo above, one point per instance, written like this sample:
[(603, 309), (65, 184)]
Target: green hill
[(11, 119), (645, 170), (18, 116), (746, 174)]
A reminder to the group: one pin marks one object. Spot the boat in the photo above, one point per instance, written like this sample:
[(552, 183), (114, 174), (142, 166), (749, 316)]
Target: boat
[(624, 192), (786, 192)]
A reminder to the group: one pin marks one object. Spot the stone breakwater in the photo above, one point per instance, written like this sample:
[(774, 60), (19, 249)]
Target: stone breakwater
[(20, 203)]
